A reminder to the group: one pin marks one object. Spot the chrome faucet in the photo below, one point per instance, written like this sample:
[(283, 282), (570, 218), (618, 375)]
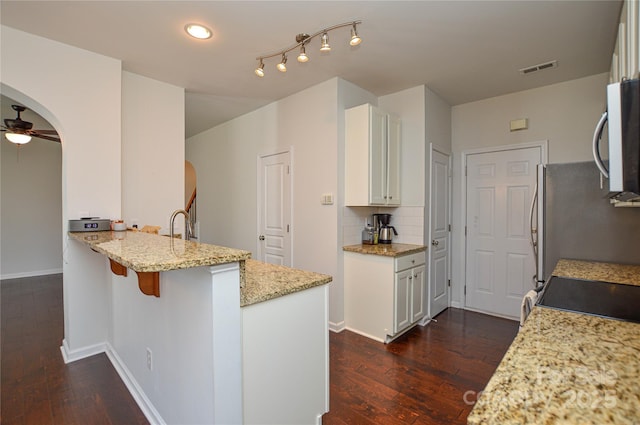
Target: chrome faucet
[(187, 219)]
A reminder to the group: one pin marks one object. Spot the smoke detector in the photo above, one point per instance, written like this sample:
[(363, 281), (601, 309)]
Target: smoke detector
[(539, 67)]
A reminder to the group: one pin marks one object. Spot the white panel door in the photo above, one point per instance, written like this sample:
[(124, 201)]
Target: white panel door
[(500, 262), (274, 209), (440, 247)]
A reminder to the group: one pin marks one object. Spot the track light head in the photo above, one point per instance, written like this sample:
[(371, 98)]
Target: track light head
[(302, 57), (324, 46), (282, 67), (260, 69), (355, 38)]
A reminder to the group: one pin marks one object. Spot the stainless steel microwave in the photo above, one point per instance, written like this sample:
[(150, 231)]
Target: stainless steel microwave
[(623, 118)]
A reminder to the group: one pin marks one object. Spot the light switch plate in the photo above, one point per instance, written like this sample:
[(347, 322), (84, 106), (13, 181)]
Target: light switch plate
[(327, 199)]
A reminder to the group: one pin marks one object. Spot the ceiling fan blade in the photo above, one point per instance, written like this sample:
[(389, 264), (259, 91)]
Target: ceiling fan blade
[(51, 132), (42, 136)]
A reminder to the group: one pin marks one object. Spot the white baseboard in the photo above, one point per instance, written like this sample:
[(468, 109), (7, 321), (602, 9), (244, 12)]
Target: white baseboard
[(30, 274), (148, 409), (69, 355), (456, 304), (337, 327)]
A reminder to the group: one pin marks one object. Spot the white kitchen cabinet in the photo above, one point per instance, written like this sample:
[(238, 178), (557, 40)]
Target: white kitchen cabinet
[(384, 296), (372, 157)]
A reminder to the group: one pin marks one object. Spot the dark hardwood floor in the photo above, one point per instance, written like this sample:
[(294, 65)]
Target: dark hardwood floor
[(420, 378), (37, 387)]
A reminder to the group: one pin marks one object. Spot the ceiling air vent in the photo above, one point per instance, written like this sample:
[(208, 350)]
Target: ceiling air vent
[(539, 67)]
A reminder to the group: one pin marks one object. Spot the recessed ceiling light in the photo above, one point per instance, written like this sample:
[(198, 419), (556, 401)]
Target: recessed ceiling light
[(198, 31)]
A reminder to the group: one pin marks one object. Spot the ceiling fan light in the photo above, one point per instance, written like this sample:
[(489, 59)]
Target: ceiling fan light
[(282, 67), (198, 31), (18, 138), (302, 57), (355, 38), (260, 69), (324, 46)]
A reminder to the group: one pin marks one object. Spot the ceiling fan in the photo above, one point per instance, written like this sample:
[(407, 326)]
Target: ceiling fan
[(20, 132)]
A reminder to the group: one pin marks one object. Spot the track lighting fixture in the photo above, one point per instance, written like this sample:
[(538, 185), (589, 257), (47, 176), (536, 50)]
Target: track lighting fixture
[(324, 46), (260, 69), (302, 57), (302, 41), (282, 67), (355, 38)]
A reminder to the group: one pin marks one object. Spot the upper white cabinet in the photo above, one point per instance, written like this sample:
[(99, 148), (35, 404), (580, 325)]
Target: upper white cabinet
[(372, 157), (626, 56)]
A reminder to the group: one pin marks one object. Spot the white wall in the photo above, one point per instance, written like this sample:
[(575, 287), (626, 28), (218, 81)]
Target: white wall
[(152, 152), (79, 94), (565, 114), (31, 202)]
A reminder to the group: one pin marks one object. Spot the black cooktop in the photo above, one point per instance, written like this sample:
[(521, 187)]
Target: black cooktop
[(611, 300)]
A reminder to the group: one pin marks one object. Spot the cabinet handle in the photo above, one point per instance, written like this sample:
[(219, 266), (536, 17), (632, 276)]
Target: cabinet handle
[(390, 197), (261, 237), (434, 242), (415, 275)]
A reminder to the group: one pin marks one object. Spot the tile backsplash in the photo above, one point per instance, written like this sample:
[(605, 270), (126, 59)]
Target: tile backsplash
[(408, 221)]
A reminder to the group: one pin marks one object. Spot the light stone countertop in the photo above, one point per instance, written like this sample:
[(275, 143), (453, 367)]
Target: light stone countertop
[(568, 368), (144, 252), (264, 282), (386, 250)]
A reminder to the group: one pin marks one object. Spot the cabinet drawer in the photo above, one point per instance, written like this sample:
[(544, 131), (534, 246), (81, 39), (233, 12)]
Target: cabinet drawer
[(408, 261)]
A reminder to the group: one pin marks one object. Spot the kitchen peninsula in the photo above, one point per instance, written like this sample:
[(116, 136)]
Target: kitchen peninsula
[(192, 329)]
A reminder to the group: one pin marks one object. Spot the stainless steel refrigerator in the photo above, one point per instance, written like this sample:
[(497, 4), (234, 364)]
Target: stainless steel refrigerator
[(575, 219)]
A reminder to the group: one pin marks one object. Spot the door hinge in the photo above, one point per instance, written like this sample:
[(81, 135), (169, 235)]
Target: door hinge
[(465, 170), (449, 283), (287, 228), (465, 289), (288, 169), (465, 231), (449, 227)]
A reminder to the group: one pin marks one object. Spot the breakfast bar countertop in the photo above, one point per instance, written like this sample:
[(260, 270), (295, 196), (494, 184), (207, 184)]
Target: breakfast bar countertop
[(144, 252), (566, 367), (264, 282), (386, 250)]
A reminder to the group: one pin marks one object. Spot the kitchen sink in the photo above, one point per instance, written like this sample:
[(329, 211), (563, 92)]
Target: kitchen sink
[(605, 299)]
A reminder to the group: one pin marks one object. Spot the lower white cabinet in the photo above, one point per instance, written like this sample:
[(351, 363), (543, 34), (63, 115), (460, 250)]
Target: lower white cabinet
[(384, 296)]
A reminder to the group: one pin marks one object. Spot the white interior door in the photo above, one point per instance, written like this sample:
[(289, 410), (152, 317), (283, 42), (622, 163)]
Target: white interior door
[(499, 263), (274, 209), (439, 252)]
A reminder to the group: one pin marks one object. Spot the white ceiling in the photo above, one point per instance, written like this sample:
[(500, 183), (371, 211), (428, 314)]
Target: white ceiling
[(462, 50)]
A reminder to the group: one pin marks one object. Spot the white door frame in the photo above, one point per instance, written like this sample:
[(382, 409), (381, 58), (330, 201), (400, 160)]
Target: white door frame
[(430, 218), (544, 149), (276, 151)]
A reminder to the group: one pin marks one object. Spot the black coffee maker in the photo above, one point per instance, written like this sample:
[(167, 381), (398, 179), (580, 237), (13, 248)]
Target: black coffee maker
[(384, 229)]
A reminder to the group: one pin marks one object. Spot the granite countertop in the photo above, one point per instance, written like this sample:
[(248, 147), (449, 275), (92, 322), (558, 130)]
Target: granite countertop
[(568, 368), (387, 250), (605, 272), (264, 282), (144, 252)]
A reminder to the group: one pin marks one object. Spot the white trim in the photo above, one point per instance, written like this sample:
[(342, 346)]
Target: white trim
[(544, 154), (30, 274), (141, 399), (490, 313), (337, 327), (70, 356)]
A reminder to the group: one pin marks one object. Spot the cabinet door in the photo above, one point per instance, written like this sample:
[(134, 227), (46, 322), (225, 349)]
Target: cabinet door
[(417, 296), (393, 161), (377, 157), (402, 301)]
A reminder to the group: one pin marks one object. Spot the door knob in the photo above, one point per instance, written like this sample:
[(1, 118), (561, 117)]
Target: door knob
[(434, 242), (261, 237)]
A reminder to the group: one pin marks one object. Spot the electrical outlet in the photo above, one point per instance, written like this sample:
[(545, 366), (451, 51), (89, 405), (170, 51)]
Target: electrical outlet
[(149, 359)]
